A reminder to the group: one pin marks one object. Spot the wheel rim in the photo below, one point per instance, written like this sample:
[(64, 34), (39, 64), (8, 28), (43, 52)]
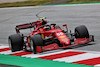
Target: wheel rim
[(9, 42), (31, 45)]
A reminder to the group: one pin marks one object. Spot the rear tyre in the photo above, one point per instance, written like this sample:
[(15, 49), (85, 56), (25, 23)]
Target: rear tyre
[(15, 42), (81, 32), (35, 40)]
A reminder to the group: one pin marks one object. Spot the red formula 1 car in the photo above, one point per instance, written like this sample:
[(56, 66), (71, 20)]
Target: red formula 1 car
[(46, 37)]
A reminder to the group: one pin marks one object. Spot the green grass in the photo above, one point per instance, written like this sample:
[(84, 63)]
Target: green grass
[(33, 62), (43, 2), (82, 1), (27, 3)]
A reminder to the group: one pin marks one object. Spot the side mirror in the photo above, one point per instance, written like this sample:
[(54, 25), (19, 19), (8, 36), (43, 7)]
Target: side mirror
[(65, 27), (64, 24)]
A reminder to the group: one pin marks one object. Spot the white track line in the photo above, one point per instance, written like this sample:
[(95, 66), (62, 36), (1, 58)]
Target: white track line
[(98, 65), (47, 53), (9, 52), (94, 52), (78, 57), (1, 47)]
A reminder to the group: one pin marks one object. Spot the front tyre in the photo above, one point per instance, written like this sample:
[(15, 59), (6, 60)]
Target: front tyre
[(81, 32), (15, 42), (35, 40)]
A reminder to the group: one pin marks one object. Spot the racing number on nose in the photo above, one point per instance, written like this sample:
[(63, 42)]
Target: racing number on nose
[(59, 34)]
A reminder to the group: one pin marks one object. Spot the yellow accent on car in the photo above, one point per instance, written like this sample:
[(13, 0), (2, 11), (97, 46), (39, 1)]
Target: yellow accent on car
[(42, 18), (62, 36), (28, 40), (64, 39), (42, 36)]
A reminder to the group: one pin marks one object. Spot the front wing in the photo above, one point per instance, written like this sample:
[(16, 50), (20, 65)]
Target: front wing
[(55, 46)]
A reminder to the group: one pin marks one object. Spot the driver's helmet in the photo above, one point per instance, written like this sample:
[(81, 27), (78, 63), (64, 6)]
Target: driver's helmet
[(47, 28), (44, 22)]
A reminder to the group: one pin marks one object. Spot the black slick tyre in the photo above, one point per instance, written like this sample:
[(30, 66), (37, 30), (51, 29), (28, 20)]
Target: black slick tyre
[(81, 32), (35, 40), (15, 42)]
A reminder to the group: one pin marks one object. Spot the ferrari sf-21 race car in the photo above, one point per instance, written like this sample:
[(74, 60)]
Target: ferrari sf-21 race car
[(46, 37)]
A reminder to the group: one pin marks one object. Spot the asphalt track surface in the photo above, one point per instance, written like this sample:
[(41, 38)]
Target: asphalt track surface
[(72, 15)]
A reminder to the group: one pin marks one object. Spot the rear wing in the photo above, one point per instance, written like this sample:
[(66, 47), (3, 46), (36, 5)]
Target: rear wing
[(26, 26)]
